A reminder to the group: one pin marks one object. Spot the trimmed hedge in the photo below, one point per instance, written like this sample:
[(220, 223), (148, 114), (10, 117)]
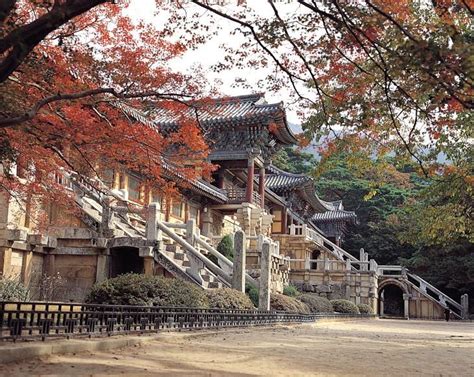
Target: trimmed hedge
[(138, 289), (364, 309), (227, 298), (317, 304), (287, 304), (344, 306)]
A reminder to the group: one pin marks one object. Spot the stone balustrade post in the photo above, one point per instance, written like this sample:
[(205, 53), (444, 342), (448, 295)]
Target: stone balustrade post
[(373, 265), (152, 221), (265, 278), (348, 264), (190, 227), (292, 230), (465, 306), (106, 226), (307, 264), (238, 273)]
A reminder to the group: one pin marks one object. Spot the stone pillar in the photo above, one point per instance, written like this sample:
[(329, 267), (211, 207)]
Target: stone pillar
[(381, 300), (265, 278), (102, 269), (238, 275), (148, 266), (250, 177), (5, 261), (49, 267), (26, 265), (406, 306), (465, 306), (261, 186)]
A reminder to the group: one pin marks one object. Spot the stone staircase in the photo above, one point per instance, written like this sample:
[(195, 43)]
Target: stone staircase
[(398, 272), (118, 224)]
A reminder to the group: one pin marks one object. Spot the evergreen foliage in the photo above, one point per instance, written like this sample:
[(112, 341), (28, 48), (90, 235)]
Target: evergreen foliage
[(290, 290), (252, 292), (226, 247)]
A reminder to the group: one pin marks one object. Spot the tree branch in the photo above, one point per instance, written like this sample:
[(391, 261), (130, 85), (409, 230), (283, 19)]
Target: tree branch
[(30, 114)]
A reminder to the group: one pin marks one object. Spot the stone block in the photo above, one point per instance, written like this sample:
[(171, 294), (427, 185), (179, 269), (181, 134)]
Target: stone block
[(145, 251), (37, 239)]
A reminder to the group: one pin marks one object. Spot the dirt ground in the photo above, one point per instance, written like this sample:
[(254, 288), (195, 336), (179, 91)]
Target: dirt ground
[(359, 348)]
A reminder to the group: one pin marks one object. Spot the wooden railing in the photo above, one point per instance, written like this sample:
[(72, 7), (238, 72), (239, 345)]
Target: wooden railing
[(237, 195)]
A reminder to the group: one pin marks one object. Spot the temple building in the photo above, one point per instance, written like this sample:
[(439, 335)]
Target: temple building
[(129, 230)]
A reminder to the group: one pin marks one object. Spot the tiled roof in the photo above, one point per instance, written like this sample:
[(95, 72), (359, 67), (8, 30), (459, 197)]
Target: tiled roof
[(218, 110), (280, 181), (336, 215)]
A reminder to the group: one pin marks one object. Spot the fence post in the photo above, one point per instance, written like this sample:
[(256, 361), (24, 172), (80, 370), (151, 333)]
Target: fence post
[(238, 275), (265, 278)]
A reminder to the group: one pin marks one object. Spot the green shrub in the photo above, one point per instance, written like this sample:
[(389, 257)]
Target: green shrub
[(226, 247), (227, 298), (364, 309), (287, 304), (344, 306), (252, 291), (316, 303), (139, 289), (12, 290), (290, 290)]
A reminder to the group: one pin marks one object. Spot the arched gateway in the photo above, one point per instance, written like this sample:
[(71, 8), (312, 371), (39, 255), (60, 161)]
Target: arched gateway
[(393, 298)]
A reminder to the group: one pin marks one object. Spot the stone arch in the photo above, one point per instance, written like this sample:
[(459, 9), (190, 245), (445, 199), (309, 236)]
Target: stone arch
[(393, 298), (315, 254), (392, 281)]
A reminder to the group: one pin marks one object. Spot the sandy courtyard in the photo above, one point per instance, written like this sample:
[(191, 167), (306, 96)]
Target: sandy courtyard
[(362, 348)]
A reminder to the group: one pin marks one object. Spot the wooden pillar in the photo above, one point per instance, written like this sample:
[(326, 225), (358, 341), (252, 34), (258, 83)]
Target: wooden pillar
[(284, 223), (250, 177), (220, 179), (261, 186)]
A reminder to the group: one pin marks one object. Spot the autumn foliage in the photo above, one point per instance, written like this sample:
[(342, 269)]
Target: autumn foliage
[(62, 109)]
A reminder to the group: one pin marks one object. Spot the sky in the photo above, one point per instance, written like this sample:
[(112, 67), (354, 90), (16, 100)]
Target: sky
[(211, 52)]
